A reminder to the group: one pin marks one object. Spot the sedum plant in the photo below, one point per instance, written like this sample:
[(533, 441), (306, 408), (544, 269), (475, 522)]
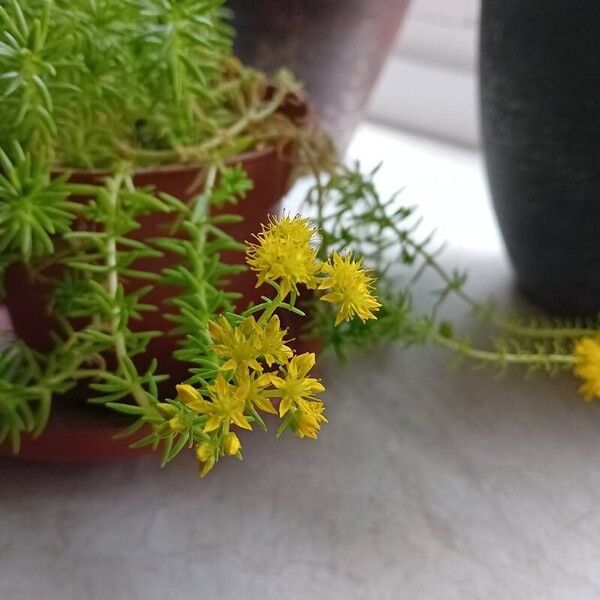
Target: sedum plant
[(112, 86), (89, 83), (117, 85), (353, 217)]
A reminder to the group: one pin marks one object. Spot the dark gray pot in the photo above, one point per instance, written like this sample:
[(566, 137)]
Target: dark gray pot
[(540, 109), (336, 47)]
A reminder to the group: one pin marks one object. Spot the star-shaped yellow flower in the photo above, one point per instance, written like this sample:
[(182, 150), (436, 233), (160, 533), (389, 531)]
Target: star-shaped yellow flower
[(271, 344), (296, 386), (256, 385), (350, 286), (227, 406), (238, 345)]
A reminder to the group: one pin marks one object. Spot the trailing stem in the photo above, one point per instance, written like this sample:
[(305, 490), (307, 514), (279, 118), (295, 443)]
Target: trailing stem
[(502, 358), (114, 185)]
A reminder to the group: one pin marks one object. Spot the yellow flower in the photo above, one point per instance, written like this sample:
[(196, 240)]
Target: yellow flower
[(238, 345), (270, 342), (256, 385), (307, 419), (283, 254), (231, 444), (587, 366), (296, 386), (228, 403), (350, 287)]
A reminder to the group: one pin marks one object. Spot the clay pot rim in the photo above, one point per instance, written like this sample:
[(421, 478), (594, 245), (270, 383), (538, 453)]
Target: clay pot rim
[(170, 167), (305, 120)]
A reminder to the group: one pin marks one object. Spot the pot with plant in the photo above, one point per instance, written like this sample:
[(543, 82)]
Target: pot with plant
[(138, 158), (144, 267)]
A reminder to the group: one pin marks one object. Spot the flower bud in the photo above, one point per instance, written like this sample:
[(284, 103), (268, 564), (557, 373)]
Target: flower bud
[(188, 394), (204, 452), (204, 468), (231, 444)]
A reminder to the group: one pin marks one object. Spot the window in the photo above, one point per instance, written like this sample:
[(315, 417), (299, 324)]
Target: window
[(430, 81)]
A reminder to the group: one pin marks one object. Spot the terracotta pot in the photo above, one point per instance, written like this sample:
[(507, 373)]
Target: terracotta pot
[(337, 49), (27, 300), (81, 433), (77, 434)]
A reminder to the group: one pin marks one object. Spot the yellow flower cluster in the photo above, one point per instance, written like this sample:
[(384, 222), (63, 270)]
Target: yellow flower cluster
[(587, 366), (243, 345), (283, 255), (256, 370)]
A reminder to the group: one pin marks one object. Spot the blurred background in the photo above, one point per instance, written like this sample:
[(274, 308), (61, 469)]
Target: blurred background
[(396, 82), (423, 121), (429, 83)]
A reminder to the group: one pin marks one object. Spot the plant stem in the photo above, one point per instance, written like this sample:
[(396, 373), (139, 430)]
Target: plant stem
[(114, 185), (270, 310), (502, 357), (536, 332), (323, 252), (430, 261), (488, 314), (202, 151), (200, 213)]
